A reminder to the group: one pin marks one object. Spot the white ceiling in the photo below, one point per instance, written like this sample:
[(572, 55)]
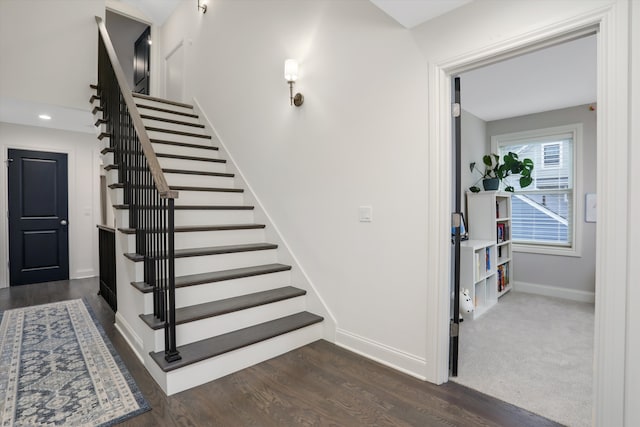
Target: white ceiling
[(410, 13), (556, 77)]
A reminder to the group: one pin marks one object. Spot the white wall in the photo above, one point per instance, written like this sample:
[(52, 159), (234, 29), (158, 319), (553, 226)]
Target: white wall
[(49, 50), (84, 195), (574, 273), (123, 33), (474, 146), (359, 139)]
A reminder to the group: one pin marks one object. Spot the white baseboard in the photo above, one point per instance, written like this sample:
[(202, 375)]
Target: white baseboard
[(381, 353), (134, 341), (84, 274), (553, 291)]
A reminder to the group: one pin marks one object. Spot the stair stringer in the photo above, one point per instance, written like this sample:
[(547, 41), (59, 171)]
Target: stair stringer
[(315, 302)]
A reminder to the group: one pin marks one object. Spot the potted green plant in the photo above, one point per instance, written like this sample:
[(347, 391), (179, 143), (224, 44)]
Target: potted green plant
[(496, 172)]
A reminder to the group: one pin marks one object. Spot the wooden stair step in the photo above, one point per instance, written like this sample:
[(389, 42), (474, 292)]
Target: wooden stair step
[(177, 132), (225, 306), (186, 188), (212, 250), (195, 228), (97, 110), (164, 101), (94, 98), (107, 150), (182, 144), (164, 110), (172, 121), (104, 135), (199, 207), (179, 171), (215, 346), (197, 158), (218, 276)]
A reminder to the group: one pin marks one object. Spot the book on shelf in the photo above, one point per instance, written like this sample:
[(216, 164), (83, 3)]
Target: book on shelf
[(478, 264), (499, 252), (501, 227), (497, 209), (488, 258)]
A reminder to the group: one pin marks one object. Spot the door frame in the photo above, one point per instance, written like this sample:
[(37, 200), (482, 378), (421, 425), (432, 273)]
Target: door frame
[(611, 22), (4, 203), (154, 66), (174, 49)]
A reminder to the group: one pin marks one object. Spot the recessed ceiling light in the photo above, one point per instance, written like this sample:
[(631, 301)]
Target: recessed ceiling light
[(45, 117)]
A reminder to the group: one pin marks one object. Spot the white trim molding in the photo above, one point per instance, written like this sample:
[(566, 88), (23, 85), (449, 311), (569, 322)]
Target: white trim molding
[(612, 25), (554, 291), (381, 353)]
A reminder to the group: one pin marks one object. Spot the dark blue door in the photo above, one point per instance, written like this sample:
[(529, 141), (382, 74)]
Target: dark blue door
[(38, 229)]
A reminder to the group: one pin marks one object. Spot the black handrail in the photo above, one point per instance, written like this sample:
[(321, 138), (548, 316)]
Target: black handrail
[(146, 192)]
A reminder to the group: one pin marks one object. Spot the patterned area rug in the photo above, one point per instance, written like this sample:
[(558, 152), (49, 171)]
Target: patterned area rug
[(57, 367)]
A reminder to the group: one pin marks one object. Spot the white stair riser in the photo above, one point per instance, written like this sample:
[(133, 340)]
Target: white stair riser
[(173, 126), (196, 217), (218, 325), (213, 217), (179, 138), (117, 196), (209, 263), (199, 198), (194, 165), (208, 370), (186, 151), (199, 180), (200, 239), (170, 116), (162, 105), (107, 159), (206, 292)]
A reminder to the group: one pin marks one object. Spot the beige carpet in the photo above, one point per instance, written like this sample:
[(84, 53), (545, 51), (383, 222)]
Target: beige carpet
[(535, 352)]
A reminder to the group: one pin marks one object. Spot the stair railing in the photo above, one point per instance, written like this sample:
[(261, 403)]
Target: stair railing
[(149, 198)]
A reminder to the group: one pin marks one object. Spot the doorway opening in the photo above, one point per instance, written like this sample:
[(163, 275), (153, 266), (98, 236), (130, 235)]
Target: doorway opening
[(530, 327), (132, 42)]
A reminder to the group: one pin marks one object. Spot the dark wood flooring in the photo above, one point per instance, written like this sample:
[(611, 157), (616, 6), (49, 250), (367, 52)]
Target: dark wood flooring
[(317, 385)]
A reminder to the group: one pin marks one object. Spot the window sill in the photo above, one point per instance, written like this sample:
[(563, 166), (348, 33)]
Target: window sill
[(546, 250)]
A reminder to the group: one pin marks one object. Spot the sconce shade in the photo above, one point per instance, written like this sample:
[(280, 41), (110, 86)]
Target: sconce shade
[(291, 70)]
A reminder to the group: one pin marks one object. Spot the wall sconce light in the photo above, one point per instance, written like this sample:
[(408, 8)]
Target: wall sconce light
[(291, 75), (202, 7)]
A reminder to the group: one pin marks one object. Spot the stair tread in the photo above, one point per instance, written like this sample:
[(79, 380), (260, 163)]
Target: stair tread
[(215, 346), (173, 121), (177, 132), (197, 158), (182, 144), (188, 188), (219, 276), (183, 172), (165, 110), (192, 228), (202, 207), (164, 101), (225, 306), (212, 250)]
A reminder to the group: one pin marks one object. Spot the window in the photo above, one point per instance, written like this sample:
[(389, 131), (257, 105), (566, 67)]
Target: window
[(551, 155), (544, 213)]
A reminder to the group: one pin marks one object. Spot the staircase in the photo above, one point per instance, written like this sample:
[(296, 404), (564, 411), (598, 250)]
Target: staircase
[(235, 303)]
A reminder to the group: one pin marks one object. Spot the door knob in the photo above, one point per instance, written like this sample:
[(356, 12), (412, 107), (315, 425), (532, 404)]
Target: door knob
[(63, 222)]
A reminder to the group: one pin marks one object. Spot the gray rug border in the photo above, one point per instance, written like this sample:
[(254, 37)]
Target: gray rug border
[(142, 402)]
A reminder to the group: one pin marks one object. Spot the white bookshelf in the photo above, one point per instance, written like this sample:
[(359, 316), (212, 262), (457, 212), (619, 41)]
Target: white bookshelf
[(478, 273), (489, 218)]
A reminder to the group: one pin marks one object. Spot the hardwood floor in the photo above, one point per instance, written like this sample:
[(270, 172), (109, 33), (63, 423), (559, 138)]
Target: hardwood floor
[(317, 385)]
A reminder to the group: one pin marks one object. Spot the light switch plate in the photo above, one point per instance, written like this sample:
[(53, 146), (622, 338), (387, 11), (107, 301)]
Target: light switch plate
[(365, 214)]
